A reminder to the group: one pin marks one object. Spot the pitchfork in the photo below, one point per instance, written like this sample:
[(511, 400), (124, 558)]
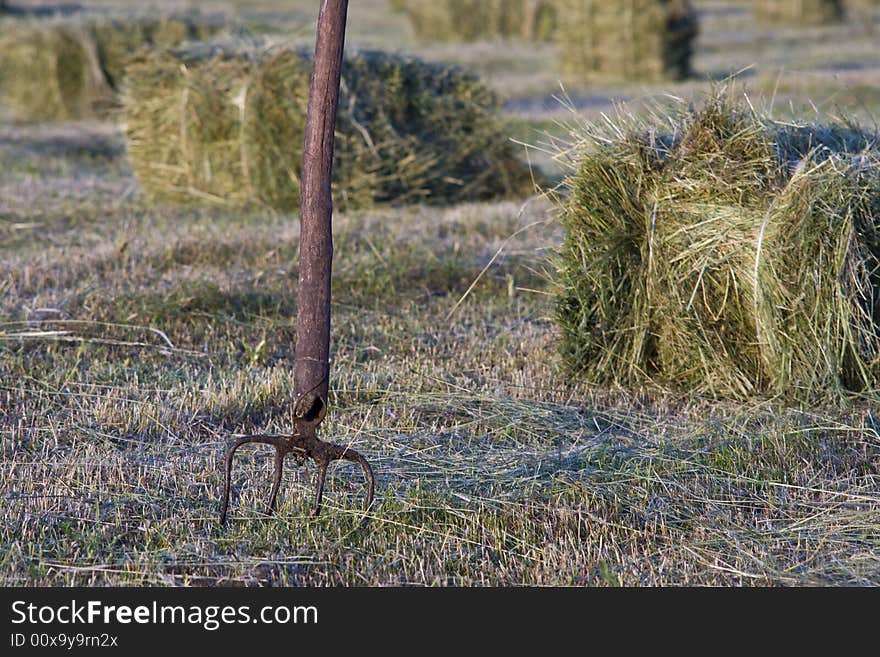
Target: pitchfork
[(311, 374)]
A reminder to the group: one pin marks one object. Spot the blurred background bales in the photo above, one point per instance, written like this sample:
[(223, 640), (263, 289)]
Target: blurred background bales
[(628, 40), (799, 12), (117, 39), (519, 47), (217, 126), (473, 20), (73, 68), (864, 12), (53, 72)]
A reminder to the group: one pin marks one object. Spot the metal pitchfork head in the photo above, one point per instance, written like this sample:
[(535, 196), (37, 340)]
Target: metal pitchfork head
[(303, 444)]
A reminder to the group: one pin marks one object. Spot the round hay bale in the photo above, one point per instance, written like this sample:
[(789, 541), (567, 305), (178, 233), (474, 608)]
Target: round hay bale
[(229, 129), (732, 257), (632, 39)]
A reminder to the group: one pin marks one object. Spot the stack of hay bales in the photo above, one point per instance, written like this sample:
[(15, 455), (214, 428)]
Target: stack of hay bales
[(64, 69), (227, 127), (626, 39), (799, 12), (731, 257), (472, 20)]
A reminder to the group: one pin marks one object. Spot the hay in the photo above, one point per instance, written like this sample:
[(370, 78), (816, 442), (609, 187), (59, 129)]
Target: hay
[(799, 12), (731, 258), (864, 12), (229, 128), (472, 20), (630, 39), (80, 64), (117, 39), (52, 73)]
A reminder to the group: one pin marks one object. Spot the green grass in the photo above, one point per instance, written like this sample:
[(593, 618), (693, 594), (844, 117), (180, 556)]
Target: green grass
[(135, 340)]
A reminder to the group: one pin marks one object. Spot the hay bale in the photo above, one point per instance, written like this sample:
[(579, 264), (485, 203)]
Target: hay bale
[(82, 62), (228, 128), (627, 39), (473, 20), (733, 257), (865, 12), (52, 73), (799, 12), (117, 39)]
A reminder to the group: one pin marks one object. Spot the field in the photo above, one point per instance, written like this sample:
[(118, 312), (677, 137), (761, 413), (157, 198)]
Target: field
[(135, 340)]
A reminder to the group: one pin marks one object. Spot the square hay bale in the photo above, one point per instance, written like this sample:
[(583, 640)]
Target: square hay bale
[(117, 39), (472, 20), (731, 257), (626, 39), (226, 126), (80, 63), (52, 72), (865, 12), (799, 12)]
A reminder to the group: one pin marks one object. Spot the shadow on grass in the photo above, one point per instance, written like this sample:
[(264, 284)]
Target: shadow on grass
[(200, 297), (73, 146), (43, 10)]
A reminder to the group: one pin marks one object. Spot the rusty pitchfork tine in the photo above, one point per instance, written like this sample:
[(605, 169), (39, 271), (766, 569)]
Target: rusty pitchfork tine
[(281, 449), (331, 452), (276, 482)]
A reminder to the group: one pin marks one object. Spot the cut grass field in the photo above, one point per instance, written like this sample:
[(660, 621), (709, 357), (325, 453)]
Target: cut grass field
[(135, 340)]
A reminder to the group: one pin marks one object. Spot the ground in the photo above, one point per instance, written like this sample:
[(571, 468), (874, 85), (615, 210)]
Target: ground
[(135, 340)]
